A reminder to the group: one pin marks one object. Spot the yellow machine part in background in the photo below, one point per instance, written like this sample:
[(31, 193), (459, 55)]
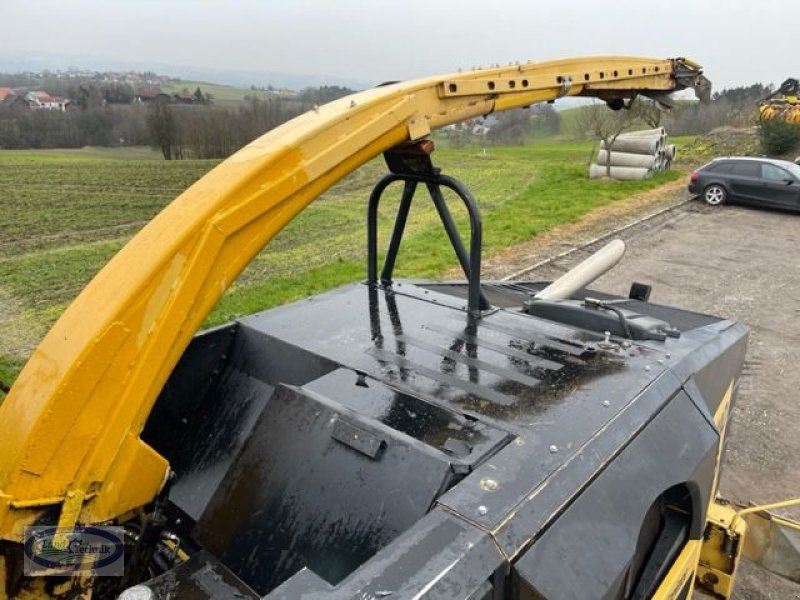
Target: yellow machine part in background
[(788, 111), (783, 103)]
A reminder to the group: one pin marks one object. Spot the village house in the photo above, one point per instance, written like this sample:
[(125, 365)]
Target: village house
[(39, 100), (6, 92), (151, 94)]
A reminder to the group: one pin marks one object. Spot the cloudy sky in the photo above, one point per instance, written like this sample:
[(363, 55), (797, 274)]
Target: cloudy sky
[(737, 41)]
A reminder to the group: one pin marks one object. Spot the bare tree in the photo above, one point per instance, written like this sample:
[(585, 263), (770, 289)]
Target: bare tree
[(511, 127), (649, 111), (600, 122), (162, 129)]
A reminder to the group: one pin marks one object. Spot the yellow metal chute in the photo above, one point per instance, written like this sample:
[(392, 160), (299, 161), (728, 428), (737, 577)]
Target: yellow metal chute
[(70, 446)]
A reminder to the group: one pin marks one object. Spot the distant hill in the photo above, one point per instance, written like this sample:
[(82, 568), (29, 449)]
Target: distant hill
[(37, 62)]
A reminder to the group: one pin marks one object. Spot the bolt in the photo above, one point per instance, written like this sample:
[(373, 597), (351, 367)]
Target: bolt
[(608, 337)]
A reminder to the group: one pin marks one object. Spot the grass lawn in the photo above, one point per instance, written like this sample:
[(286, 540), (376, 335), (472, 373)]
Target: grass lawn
[(65, 213)]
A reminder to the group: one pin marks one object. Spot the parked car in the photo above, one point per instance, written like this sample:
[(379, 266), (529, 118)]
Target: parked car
[(748, 180)]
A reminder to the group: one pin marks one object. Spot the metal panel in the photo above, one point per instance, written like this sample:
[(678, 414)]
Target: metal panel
[(678, 448), (295, 496), (211, 402)]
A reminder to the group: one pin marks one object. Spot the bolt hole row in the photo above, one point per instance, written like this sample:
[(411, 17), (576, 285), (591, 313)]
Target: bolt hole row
[(512, 84), (615, 73)]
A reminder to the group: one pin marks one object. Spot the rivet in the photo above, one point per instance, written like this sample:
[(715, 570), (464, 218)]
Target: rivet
[(647, 367), (482, 510), (553, 449), (606, 403)]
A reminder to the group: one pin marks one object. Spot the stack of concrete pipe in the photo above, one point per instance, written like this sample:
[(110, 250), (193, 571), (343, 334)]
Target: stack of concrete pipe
[(635, 155)]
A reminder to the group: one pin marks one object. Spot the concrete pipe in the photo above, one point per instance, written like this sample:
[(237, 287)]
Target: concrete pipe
[(635, 145), (671, 151), (622, 173), (645, 132), (626, 159)]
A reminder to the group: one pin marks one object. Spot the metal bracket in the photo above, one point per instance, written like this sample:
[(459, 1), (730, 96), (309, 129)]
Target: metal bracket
[(411, 164)]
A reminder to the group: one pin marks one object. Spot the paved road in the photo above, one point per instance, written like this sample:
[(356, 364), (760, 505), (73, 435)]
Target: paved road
[(743, 264)]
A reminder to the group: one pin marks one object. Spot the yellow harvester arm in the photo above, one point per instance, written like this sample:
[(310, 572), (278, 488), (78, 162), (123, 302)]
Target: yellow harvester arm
[(70, 448)]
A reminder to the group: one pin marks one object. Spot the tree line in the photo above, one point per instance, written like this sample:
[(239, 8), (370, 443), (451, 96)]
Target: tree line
[(196, 130), (214, 132), (104, 115)]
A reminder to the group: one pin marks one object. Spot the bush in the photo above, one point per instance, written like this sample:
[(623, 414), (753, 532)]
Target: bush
[(779, 137)]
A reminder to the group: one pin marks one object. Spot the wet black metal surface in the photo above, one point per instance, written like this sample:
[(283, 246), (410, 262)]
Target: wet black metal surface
[(405, 405), (317, 485), (199, 578)]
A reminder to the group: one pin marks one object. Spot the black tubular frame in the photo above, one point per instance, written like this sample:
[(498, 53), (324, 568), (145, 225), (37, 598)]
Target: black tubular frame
[(470, 264)]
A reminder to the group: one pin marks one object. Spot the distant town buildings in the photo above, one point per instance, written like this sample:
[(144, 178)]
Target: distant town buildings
[(77, 89)]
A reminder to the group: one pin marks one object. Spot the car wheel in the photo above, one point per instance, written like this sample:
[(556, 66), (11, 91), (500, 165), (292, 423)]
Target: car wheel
[(715, 195)]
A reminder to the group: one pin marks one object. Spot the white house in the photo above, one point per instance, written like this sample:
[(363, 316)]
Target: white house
[(43, 100)]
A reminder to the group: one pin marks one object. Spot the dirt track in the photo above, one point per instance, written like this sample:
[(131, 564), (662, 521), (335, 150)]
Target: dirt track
[(738, 263)]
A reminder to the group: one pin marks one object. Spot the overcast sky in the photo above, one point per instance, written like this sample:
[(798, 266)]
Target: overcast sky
[(737, 42)]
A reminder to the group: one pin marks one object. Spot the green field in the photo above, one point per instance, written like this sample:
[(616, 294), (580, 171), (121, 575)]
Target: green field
[(221, 94), (65, 213)]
